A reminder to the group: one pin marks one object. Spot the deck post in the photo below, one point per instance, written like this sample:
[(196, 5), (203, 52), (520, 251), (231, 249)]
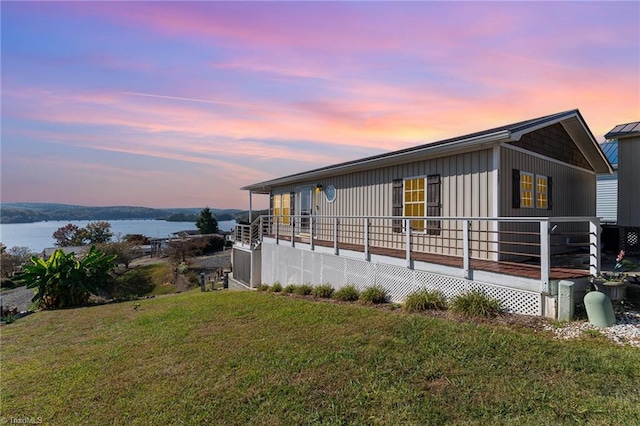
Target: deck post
[(407, 227), (594, 246), (311, 227), (277, 231), (335, 236), (293, 232), (545, 256), (366, 239), (465, 247)]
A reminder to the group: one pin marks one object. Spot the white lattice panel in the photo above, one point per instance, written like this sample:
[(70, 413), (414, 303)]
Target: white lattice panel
[(396, 280), (289, 265), (359, 273)]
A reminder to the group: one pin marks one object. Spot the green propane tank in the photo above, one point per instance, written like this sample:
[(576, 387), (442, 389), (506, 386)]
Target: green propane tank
[(599, 309)]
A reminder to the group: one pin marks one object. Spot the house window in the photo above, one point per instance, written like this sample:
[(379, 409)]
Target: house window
[(282, 208), (286, 209), (277, 206), (414, 202), (541, 192), (526, 190), (531, 190)]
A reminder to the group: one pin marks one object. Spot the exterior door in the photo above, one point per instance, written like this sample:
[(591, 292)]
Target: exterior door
[(306, 208)]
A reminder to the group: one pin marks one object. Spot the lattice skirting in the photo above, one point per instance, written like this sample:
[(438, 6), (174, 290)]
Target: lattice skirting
[(630, 240), (288, 265)]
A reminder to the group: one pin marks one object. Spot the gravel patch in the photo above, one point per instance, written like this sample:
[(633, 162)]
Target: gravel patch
[(626, 330)]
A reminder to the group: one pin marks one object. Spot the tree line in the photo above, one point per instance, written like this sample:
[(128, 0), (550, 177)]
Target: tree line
[(37, 212)]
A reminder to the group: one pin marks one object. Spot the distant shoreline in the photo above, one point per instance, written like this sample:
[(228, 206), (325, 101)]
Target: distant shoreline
[(43, 212)]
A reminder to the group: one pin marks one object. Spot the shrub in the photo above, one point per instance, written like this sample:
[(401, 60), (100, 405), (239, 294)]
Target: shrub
[(374, 295), (303, 290), (291, 288), (276, 288), (424, 299), (324, 290), (193, 278), (62, 280), (347, 293), (476, 303), (263, 287)]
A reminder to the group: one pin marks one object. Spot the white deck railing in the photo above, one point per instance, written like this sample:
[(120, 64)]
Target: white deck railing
[(531, 239)]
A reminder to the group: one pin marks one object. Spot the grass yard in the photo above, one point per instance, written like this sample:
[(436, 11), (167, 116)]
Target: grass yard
[(236, 358)]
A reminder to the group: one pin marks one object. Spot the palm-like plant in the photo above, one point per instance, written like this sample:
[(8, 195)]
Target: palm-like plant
[(63, 280)]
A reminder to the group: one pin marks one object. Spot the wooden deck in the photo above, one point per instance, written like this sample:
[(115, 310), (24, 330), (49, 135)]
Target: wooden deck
[(517, 269)]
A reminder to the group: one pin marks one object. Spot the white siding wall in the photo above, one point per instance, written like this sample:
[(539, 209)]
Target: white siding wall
[(607, 198)]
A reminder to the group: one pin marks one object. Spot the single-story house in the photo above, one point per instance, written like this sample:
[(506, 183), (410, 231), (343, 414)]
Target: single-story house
[(485, 211)]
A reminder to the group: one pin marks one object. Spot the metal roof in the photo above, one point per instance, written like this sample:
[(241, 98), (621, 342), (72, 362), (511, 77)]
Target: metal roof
[(624, 130), (610, 149), (510, 132)]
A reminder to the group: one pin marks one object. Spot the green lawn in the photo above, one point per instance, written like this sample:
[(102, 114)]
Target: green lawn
[(235, 358)]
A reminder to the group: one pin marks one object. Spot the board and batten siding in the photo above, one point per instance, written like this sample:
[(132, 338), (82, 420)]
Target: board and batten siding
[(573, 194), (466, 190)]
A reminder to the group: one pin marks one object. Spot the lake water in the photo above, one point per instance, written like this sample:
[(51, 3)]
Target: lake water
[(38, 236)]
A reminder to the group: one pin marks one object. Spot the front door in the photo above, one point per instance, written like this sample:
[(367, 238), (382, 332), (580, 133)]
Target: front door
[(306, 208)]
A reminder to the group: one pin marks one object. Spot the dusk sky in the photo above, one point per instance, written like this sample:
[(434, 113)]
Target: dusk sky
[(179, 104)]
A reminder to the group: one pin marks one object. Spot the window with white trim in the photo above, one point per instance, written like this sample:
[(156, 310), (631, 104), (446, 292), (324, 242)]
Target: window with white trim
[(282, 208), (277, 207), (286, 209)]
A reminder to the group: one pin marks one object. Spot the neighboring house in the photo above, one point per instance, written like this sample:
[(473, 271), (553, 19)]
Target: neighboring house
[(628, 214), (187, 233), (77, 250), (450, 215), (607, 186)]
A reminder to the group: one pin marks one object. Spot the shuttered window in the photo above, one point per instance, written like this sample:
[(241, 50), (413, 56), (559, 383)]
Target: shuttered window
[(414, 202), (531, 190), (541, 192), (434, 206), (526, 190)]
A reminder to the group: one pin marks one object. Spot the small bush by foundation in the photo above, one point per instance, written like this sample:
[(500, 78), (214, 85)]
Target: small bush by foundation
[(374, 295), (291, 288), (324, 291), (476, 304), (275, 288), (347, 293), (303, 290), (423, 300), (263, 287)]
